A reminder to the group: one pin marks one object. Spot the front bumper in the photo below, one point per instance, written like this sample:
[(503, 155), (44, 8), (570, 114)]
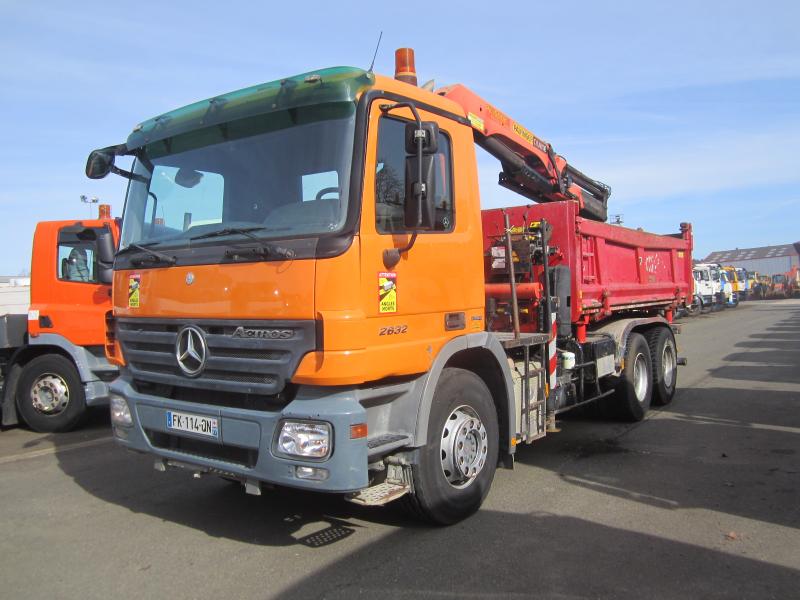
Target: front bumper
[(245, 445), (96, 393)]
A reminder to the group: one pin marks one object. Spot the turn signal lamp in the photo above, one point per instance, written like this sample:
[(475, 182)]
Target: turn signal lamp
[(404, 69), (358, 431), (112, 346)]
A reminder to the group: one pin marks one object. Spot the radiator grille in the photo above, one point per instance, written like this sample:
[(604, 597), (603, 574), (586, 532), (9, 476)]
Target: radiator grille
[(257, 365)]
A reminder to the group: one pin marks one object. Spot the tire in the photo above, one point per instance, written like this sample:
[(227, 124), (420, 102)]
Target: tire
[(664, 359), (50, 396), (443, 493), (694, 309), (634, 392)]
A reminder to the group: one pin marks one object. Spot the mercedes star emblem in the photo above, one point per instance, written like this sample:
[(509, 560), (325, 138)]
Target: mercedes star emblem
[(190, 351), (189, 278)]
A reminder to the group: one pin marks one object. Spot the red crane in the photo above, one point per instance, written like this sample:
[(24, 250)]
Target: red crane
[(530, 165)]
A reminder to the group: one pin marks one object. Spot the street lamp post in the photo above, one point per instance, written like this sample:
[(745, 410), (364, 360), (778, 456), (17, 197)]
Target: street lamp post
[(86, 200)]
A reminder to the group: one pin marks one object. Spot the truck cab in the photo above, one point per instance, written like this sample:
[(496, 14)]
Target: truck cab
[(708, 285), (53, 358), (779, 286), (736, 285), (726, 286), (744, 283)]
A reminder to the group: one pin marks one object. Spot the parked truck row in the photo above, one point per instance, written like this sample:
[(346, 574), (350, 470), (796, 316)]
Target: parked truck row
[(717, 286)]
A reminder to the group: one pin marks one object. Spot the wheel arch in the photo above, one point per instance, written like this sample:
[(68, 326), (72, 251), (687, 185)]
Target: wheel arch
[(621, 330), (482, 354)]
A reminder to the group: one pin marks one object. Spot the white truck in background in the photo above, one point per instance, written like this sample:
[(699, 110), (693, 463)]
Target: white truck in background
[(708, 286)]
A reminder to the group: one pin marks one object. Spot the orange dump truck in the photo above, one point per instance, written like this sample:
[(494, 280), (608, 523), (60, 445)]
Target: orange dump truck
[(300, 294), (52, 360)]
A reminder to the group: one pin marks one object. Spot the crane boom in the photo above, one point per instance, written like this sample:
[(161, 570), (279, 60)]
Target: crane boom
[(530, 165)]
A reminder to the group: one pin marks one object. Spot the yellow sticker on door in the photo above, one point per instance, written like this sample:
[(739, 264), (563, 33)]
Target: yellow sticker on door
[(134, 283), (387, 292)]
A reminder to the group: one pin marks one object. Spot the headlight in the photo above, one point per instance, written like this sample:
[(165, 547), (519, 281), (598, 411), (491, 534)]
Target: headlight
[(120, 411), (308, 440)]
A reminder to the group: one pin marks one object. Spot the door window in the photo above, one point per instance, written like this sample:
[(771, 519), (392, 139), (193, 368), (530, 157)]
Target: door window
[(77, 257), (390, 180)]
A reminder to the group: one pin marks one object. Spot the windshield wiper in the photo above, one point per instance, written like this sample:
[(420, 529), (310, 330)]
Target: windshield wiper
[(150, 255), (246, 231), (263, 250)]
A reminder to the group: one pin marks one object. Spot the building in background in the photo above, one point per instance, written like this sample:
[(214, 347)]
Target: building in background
[(767, 260)]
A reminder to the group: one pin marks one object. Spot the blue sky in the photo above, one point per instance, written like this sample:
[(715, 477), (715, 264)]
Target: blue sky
[(689, 111)]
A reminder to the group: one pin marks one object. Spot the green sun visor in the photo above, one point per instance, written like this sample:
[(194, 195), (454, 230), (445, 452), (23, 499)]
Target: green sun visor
[(336, 84)]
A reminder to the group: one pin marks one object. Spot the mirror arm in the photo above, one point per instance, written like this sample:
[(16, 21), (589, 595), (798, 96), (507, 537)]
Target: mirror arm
[(128, 174), (420, 191), (391, 256)]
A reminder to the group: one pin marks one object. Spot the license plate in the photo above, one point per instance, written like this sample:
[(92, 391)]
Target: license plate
[(201, 425)]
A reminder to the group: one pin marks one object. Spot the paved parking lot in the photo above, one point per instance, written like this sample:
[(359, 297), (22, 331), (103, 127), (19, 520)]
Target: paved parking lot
[(701, 500)]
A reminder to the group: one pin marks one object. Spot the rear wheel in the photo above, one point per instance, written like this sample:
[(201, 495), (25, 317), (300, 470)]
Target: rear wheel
[(664, 359), (457, 465), (50, 396), (634, 392)]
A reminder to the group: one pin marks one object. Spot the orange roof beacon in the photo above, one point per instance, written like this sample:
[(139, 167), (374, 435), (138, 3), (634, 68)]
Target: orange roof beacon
[(308, 294)]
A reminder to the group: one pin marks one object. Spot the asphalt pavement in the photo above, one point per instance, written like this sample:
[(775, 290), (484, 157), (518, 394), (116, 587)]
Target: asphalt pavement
[(700, 500)]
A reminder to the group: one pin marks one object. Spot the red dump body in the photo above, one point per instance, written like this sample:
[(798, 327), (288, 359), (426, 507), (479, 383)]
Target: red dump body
[(612, 268)]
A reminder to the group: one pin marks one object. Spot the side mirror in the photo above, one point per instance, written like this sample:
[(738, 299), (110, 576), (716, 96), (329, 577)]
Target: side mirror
[(105, 256), (99, 163), (420, 209), (430, 144)]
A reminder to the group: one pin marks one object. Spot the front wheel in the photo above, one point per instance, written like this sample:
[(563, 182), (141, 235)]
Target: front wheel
[(50, 396), (457, 465)]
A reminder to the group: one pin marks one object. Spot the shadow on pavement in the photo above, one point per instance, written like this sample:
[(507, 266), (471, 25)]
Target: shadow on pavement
[(779, 358), (280, 517), (503, 555), (733, 451)]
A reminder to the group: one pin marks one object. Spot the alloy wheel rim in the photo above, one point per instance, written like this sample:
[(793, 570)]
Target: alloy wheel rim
[(668, 364), (50, 394), (464, 447), (640, 377)]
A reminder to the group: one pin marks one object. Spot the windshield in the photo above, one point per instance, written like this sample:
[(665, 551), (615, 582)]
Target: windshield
[(281, 175)]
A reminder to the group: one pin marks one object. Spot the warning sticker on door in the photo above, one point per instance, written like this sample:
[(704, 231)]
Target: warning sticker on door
[(134, 282), (387, 292)]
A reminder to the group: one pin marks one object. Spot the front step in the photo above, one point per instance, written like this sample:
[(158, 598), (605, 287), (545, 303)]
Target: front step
[(380, 494)]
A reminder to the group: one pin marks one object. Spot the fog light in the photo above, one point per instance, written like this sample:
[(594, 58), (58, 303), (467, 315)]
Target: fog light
[(120, 411), (311, 473), (309, 440)]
